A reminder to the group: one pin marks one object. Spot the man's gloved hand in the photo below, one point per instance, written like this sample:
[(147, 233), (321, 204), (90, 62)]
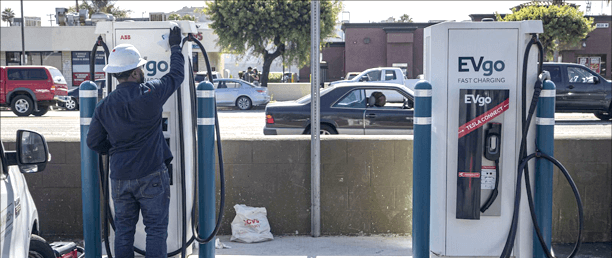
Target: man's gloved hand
[(175, 36)]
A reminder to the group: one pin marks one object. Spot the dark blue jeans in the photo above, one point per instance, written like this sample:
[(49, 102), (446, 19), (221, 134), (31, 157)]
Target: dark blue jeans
[(151, 195)]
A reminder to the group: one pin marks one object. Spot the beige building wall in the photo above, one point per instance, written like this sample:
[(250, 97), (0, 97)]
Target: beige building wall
[(65, 39)]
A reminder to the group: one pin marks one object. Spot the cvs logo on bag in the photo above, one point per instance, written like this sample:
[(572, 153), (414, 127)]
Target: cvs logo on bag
[(251, 222)]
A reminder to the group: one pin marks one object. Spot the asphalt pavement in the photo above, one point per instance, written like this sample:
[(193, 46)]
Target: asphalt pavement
[(363, 246)]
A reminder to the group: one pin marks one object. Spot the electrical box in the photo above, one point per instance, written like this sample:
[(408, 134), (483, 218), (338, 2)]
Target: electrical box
[(476, 69), (151, 40)]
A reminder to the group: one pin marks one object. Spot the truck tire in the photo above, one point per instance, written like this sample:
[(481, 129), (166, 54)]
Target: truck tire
[(39, 248), (605, 116), (42, 110), (22, 105)]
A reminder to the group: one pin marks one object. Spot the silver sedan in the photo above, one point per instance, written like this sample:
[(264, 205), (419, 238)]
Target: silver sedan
[(239, 93)]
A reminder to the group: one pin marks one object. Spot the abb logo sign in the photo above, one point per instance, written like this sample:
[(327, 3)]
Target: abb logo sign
[(125, 37)]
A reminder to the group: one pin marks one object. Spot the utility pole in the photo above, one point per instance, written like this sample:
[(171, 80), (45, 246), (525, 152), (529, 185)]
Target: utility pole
[(315, 125), (23, 56), (50, 19)]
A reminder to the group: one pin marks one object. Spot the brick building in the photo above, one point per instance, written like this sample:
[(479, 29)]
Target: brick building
[(370, 45)]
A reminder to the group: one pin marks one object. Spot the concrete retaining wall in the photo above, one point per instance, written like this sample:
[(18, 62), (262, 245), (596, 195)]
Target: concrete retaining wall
[(366, 185), (288, 91)]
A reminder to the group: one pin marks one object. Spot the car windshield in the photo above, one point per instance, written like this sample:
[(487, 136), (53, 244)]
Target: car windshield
[(57, 76), (306, 99)]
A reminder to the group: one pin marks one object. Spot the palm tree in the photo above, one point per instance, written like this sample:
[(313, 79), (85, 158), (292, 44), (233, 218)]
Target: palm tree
[(8, 15)]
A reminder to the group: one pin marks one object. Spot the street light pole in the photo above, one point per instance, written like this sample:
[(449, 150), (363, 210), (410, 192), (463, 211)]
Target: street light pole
[(23, 60)]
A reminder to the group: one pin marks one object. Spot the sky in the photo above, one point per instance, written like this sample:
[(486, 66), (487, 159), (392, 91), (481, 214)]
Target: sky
[(356, 11)]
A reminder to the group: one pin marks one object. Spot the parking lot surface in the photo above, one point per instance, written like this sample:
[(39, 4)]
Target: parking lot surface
[(64, 125)]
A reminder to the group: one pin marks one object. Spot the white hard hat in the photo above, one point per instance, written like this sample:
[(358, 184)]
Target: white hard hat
[(124, 57)]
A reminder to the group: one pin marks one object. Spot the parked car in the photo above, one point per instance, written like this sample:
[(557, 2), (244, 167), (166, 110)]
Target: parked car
[(346, 108), (203, 76), (240, 93), (19, 221), (31, 89), (579, 89), (71, 101)]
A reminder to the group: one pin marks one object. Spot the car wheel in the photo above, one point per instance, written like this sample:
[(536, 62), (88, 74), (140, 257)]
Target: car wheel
[(325, 130), (71, 104), (244, 103), (41, 111), (605, 116), (39, 248), (22, 105)]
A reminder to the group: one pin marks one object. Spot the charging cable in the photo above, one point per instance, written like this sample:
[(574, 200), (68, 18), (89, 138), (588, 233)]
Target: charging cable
[(523, 165)]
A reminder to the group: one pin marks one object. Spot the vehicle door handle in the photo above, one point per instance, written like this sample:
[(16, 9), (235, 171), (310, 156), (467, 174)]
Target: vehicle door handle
[(570, 87), (371, 115)]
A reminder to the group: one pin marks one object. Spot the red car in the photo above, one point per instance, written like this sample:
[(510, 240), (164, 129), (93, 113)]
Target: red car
[(31, 89)]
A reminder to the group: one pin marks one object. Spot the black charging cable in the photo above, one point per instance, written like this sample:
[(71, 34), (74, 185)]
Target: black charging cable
[(194, 226), (523, 165)]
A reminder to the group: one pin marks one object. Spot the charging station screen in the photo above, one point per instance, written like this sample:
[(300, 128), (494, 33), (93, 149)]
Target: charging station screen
[(476, 109)]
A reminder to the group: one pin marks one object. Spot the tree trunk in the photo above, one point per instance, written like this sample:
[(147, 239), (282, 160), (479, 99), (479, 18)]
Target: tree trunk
[(266, 70), (268, 58)]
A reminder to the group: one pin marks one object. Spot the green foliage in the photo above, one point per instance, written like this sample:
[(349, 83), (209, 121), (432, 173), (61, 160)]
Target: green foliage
[(104, 6), (564, 25), (187, 17), (7, 15), (270, 28), (275, 77), (405, 18), (176, 17)]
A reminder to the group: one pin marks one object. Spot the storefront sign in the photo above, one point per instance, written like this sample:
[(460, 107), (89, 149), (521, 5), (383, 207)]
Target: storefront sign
[(80, 66), (594, 63)]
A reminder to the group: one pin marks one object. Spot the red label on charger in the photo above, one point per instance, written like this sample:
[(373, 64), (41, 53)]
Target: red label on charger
[(469, 174)]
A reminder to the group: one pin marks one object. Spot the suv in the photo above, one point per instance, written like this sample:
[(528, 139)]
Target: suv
[(19, 223), (31, 89), (579, 89)]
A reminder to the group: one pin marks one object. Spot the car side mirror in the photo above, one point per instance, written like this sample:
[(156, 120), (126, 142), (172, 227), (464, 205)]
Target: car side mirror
[(408, 104), (32, 151), (595, 79)]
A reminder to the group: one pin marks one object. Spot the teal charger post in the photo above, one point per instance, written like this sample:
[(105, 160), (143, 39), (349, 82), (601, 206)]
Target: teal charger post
[(421, 170), (206, 165), (545, 139), (90, 181)]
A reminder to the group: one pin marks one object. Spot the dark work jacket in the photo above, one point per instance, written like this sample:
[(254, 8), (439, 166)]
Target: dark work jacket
[(127, 124)]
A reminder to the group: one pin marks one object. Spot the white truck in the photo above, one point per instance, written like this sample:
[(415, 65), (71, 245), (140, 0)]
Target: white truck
[(384, 75), (19, 223)]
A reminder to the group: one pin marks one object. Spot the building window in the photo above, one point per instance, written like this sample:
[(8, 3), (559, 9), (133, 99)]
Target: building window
[(36, 58)]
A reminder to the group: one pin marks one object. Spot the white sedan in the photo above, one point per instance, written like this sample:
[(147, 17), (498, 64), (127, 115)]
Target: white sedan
[(240, 93)]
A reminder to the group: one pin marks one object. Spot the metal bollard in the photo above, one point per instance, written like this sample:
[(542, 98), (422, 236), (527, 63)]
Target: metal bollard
[(206, 165), (545, 130), (90, 181), (421, 170)]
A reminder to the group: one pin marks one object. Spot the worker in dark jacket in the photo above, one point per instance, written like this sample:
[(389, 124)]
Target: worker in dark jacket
[(127, 125)]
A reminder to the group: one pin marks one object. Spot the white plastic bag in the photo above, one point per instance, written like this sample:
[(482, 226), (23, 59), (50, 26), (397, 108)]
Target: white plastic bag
[(250, 225)]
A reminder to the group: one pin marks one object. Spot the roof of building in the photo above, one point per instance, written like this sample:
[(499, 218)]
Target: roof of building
[(393, 26)]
